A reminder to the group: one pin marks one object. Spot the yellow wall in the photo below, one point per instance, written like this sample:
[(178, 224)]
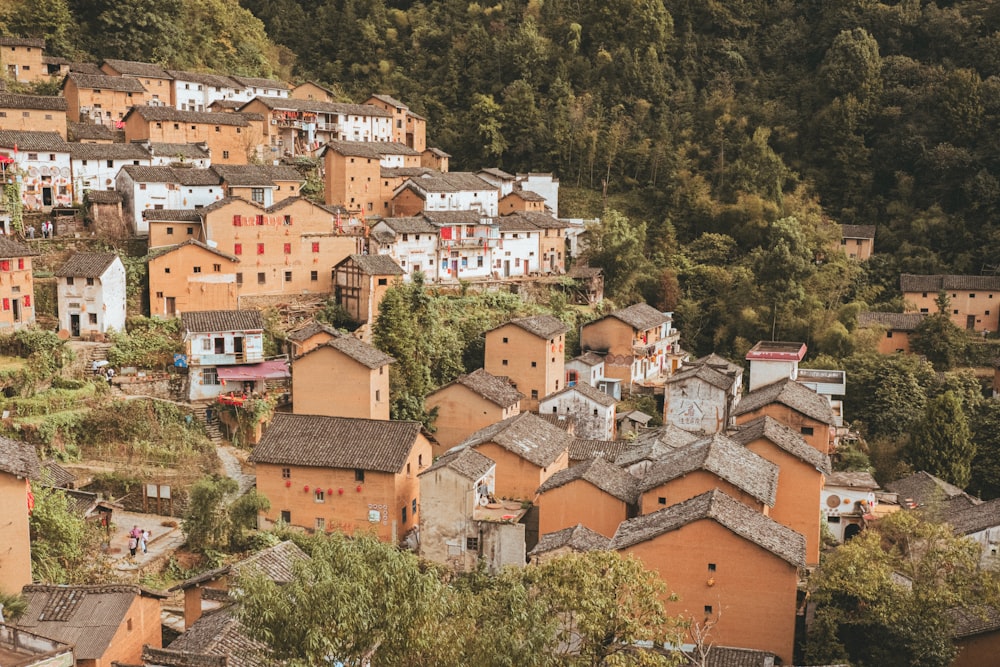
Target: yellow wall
[(212, 288), (328, 382), (15, 543), (16, 289), (462, 412), (514, 359), (580, 501)]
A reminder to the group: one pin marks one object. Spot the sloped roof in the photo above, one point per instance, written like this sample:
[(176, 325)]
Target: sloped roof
[(403, 172), (543, 326), (858, 231), (165, 657), (488, 386), (170, 114), (103, 197), (892, 321), (634, 415), (320, 106), (216, 80), (721, 364), (654, 444), (497, 173), (158, 252), (704, 373), (727, 656), (10, 248), (466, 462), (577, 538), (588, 392), (135, 68), (87, 264), (277, 563), (784, 437), (974, 621), (968, 520), (541, 219), (715, 505), (358, 350), (310, 329), (19, 458), (599, 472), (113, 151), (53, 474), (256, 174), (369, 149), (722, 457), (184, 176), (589, 359), (582, 449), (526, 435), (851, 480), (516, 223), (411, 225), (122, 84), (33, 141), (221, 633), (93, 131), (212, 321), (23, 41), (337, 442), (172, 214), (526, 195), (42, 102), (935, 283), (374, 265), (453, 217), (85, 616), (390, 100), (453, 181), (639, 316), (188, 151), (791, 394), (258, 82), (926, 490)]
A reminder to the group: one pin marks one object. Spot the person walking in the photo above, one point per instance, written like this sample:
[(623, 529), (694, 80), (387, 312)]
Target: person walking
[(31, 232), (144, 540), (133, 540)]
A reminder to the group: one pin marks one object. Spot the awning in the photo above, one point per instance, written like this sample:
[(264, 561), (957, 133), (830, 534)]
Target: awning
[(268, 370)]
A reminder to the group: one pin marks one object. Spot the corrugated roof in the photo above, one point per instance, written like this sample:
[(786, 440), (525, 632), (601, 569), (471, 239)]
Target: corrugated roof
[(337, 442), (892, 321), (579, 538), (935, 283), (33, 141), (122, 84), (135, 68), (183, 176), (466, 462), (526, 435), (784, 437), (791, 394), (715, 505), (87, 264), (41, 102), (602, 474), (212, 321), (19, 458)]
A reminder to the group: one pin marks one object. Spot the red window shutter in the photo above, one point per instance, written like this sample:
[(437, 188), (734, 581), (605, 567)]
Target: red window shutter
[(5, 265), (260, 248), (27, 300), (237, 221), (288, 248), (238, 249), (315, 247), (6, 304), (20, 263), (260, 220)]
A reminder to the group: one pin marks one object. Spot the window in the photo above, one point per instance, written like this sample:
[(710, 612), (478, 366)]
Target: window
[(320, 523), (260, 248), (288, 276), (238, 249), (359, 475), (534, 394), (197, 269), (170, 231), (225, 156), (383, 281), (256, 194), (90, 282), (91, 316), (711, 567), (414, 507), (534, 364), (320, 496), (314, 276), (315, 246), (888, 334), (286, 516), (288, 248), (206, 344), (404, 513), (210, 376), (954, 312), (923, 310), (661, 500), (32, 156), (218, 129), (190, 231), (286, 473), (142, 186), (69, 280), (261, 278), (26, 114), (708, 610), (505, 339), (159, 295), (504, 362), (239, 278), (166, 270), (472, 544), (217, 267), (806, 430)]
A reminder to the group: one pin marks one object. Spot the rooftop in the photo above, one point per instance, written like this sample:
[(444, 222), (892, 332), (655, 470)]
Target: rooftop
[(488, 386), (891, 321), (784, 437), (358, 350), (19, 458), (221, 633), (121, 84), (45, 102), (640, 316), (543, 326), (86, 265), (936, 283), (212, 321), (135, 68), (525, 435), (776, 350), (578, 538), (375, 265), (790, 394), (466, 462), (600, 473), (33, 141)]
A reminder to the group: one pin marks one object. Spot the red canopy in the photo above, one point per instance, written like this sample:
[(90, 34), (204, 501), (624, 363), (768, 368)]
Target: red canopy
[(6, 159), (268, 370)]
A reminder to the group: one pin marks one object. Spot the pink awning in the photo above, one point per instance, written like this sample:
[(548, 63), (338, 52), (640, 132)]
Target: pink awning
[(267, 370)]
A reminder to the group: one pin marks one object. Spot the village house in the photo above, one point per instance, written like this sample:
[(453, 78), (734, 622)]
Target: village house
[(164, 188), (730, 567), (452, 191), (593, 411), (527, 451), (803, 470), (772, 361), (36, 113), (895, 328), (702, 395), (42, 160), (970, 298), (981, 524), (310, 90), (470, 402), (544, 184), (103, 211), (587, 368), (96, 166), (522, 201), (301, 127), (551, 239), (857, 241), (91, 133), (460, 524), (18, 466), (596, 494), (927, 493), (154, 78), (308, 336), (217, 639), (435, 159), (22, 59), (411, 242), (845, 500), (517, 253), (574, 540), (360, 282), (362, 175), (632, 422), (342, 377), (191, 276), (101, 99), (265, 185), (17, 288), (715, 462), (216, 339), (976, 634), (652, 445), (334, 473), (467, 245), (31, 650), (196, 91), (795, 406), (163, 154), (639, 344), (408, 128), (582, 450), (90, 294), (529, 351), (254, 87), (107, 624), (232, 138), (498, 178)]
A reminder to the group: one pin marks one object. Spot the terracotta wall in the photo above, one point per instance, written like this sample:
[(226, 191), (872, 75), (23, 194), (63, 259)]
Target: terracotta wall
[(209, 289), (172, 233), (694, 484), (516, 477), (15, 544), (462, 412), (126, 645), (580, 502), (515, 357), (821, 436), (328, 382), (21, 57), (966, 302), (894, 341), (16, 290), (354, 183), (615, 337), (229, 144)]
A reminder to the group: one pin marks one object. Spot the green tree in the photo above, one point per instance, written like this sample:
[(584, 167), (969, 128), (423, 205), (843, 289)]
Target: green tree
[(781, 269), (63, 544), (887, 393), (214, 520), (985, 425), (938, 339), (617, 245), (941, 442)]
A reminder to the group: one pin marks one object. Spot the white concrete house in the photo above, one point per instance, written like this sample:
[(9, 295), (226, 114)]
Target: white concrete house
[(467, 244), (215, 339), (453, 191), (517, 253), (156, 188), (96, 166), (195, 91), (411, 242), (592, 410), (498, 178), (251, 87), (588, 368), (42, 160), (90, 294), (545, 185)]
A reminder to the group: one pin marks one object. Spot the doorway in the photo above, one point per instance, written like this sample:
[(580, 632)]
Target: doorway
[(74, 326), (970, 322), (17, 309)]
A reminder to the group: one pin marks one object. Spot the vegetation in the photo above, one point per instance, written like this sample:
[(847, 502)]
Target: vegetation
[(216, 521), (148, 342), (63, 544)]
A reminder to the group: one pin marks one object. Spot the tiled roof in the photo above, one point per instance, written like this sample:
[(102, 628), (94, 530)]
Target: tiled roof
[(46, 102), (87, 264), (935, 283), (172, 214), (188, 151), (974, 621), (363, 353), (135, 68), (516, 223), (601, 473), (225, 104), (103, 197), (92, 131), (215, 80), (968, 520), (497, 173), (122, 84), (453, 181), (753, 526), (254, 174), (527, 195), (212, 321), (108, 151), (170, 114), (726, 656), (388, 99), (86, 68), (184, 176), (22, 41), (634, 415), (33, 141), (310, 329), (258, 82), (438, 152), (705, 373), (640, 316), (19, 458), (852, 480), (453, 217), (10, 248), (892, 321), (564, 421), (403, 172), (466, 462), (169, 249), (372, 149), (165, 657), (654, 444), (782, 436), (337, 442), (858, 231), (791, 394), (492, 388), (414, 225), (86, 616), (542, 220), (578, 538), (590, 359), (588, 392), (375, 265), (277, 563), (526, 435), (928, 491), (221, 633), (53, 474), (543, 326), (321, 106), (722, 457), (720, 364)]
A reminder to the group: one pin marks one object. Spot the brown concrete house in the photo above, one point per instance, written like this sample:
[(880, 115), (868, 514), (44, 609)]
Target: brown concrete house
[(310, 90), (232, 138), (596, 494), (896, 329), (470, 402), (800, 483), (217, 639), (335, 473), (23, 59), (435, 158), (728, 564), (301, 127), (262, 184), (343, 377), (971, 299), (976, 633), (38, 113), (191, 276), (106, 623), (17, 287), (18, 466), (309, 336), (362, 175), (857, 241), (529, 351), (408, 128), (701, 396), (360, 282), (101, 99), (795, 406), (639, 344), (578, 539), (527, 450), (521, 201), (715, 462)]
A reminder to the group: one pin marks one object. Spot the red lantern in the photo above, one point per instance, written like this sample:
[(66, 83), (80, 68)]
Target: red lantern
[(340, 491), (329, 492), (306, 488), (359, 488), (288, 483)]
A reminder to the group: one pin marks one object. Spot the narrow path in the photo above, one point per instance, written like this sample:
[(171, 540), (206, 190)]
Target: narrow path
[(234, 469)]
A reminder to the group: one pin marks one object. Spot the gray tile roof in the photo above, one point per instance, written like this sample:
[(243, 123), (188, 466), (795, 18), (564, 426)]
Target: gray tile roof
[(165, 657), (172, 115), (122, 84), (19, 458), (852, 480), (277, 563), (492, 388), (453, 217), (41, 102), (466, 462), (588, 392), (789, 393), (599, 472), (103, 197), (169, 249), (784, 437), (259, 82), (374, 265), (578, 538), (321, 106), (184, 176), (541, 220), (892, 321), (108, 151), (543, 326), (516, 223), (927, 491), (214, 80), (640, 316), (590, 359), (403, 172), (53, 474), (654, 444), (388, 99), (135, 68), (188, 151), (634, 415), (715, 505), (858, 231), (33, 141), (256, 174), (371, 149), (974, 621), (527, 195), (704, 373), (86, 264), (525, 435), (86, 68), (10, 248), (968, 520), (722, 457), (452, 181), (358, 350), (212, 321), (172, 214), (93, 131), (337, 442), (935, 283), (221, 633), (720, 364), (23, 41), (726, 656), (310, 329)]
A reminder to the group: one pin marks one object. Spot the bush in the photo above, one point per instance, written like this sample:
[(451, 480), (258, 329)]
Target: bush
[(148, 343)]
